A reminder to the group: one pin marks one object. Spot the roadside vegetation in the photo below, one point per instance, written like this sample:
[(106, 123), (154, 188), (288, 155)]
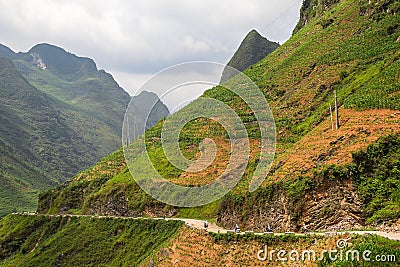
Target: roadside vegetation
[(72, 241)]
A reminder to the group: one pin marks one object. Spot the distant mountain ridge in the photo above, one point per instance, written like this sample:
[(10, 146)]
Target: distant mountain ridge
[(63, 63), (59, 115), (146, 109), (6, 52), (253, 48)]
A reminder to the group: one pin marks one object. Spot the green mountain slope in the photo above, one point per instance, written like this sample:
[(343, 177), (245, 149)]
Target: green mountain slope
[(76, 82), (30, 125), (58, 241), (42, 144), (253, 48), (59, 115), (349, 46)]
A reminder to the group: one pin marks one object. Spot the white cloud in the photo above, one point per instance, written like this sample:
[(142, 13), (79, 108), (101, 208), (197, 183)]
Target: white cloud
[(193, 45)]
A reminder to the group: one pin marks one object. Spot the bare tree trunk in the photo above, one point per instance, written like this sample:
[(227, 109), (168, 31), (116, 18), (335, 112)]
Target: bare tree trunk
[(330, 111)]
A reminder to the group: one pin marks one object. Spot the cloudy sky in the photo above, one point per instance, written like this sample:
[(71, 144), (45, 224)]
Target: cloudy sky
[(135, 39)]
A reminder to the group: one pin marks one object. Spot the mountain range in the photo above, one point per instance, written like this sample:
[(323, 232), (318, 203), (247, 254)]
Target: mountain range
[(59, 114)]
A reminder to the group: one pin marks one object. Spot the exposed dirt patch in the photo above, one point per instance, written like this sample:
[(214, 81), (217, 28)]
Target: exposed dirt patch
[(324, 146)]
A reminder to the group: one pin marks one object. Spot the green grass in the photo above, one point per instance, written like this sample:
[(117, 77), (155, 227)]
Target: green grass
[(207, 212), (377, 175), (45, 241)]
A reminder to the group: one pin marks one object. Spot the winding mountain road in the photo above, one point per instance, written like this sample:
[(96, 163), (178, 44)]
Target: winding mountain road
[(214, 228)]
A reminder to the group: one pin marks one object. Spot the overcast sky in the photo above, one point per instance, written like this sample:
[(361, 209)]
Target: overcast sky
[(135, 39)]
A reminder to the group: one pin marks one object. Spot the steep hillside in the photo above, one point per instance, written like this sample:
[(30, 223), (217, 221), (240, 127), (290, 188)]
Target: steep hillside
[(349, 46), (321, 179), (59, 116), (311, 9), (77, 82), (92, 96), (253, 48), (22, 108), (72, 241)]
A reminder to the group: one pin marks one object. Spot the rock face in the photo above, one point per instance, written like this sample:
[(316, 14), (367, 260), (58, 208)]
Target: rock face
[(37, 60), (253, 48), (332, 206), (118, 205), (311, 9)]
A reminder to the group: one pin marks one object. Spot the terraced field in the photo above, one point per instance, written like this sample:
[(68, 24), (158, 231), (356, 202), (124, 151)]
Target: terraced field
[(195, 248)]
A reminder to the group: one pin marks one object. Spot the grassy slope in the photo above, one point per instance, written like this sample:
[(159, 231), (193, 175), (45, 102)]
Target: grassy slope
[(91, 101), (45, 139), (62, 124), (45, 241), (339, 49), (21, 167)]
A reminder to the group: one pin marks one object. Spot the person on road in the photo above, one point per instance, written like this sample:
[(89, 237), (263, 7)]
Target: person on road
[(268, 229), (305, 229)]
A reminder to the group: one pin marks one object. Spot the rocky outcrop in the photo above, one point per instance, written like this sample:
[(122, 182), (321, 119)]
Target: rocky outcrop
[(311, 9), (121, 202), (333, 205)]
